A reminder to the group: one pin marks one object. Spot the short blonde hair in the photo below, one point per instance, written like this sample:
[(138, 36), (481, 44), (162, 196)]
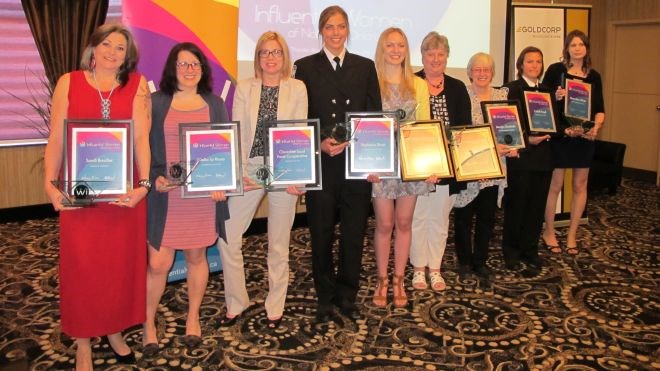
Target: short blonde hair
[(286, 58), (483, 56), (434, 40)]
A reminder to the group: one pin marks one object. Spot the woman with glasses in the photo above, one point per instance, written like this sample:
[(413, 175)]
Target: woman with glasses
[(270, 95), (175, 223), (481, 198)]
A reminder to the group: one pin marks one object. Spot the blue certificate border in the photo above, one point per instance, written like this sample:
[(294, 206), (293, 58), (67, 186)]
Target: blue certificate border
[(73, 128), (185, 132), (353, 169)]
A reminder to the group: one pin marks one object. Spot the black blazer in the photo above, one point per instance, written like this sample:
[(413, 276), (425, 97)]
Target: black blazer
[(533, 157), (459, 110), (459, 107), (331, 94)]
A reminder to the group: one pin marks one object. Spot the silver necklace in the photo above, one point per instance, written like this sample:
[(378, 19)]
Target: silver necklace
[(105, 102)]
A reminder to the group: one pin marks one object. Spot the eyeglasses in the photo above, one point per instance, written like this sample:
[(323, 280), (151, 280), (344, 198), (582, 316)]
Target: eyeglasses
[(277, 53), (481, 70), (196, 66)]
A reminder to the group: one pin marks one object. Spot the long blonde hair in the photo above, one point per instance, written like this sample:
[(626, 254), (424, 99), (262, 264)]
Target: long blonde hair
[(407, 86)]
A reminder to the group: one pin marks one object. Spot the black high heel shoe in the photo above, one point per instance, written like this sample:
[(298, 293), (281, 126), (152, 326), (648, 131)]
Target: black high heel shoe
[(274, 323), (128, 359), (228, 322)]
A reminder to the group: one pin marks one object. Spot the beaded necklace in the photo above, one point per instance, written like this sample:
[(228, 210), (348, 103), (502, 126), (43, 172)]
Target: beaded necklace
[(105, 102)]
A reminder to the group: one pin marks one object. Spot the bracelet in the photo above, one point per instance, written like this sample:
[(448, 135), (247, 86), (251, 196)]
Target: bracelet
[(146, 183)]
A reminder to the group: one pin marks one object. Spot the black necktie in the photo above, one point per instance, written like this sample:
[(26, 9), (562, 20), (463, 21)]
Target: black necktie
[(338, 66)]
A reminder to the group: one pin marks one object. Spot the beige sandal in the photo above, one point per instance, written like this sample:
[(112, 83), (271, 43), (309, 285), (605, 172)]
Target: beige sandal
[(400, 297), (419, 280), (437, 282), (379, 300)]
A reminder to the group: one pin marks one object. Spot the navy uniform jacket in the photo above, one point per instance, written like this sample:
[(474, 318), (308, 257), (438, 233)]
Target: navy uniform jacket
[(331, 94), (533, 157)]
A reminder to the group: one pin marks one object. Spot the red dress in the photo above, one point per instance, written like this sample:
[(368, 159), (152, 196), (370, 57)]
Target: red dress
[(103, 249)]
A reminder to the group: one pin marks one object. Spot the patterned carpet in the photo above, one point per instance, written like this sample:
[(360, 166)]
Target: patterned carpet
[(598, 311)]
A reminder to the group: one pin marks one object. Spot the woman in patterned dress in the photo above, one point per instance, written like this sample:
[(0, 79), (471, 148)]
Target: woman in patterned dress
[(481, 197), (393, 199)]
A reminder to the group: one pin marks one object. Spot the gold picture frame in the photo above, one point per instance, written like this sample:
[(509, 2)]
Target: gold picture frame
[(424, 151), (474, 153)]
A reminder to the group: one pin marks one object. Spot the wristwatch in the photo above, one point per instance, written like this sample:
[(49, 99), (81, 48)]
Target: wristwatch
[(146, 183)]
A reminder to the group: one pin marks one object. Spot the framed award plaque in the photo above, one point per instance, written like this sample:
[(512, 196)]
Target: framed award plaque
[(292, 155), (210, 159), (474, 153), (374, 147), (424, 151), (504, 117), (98, 161)]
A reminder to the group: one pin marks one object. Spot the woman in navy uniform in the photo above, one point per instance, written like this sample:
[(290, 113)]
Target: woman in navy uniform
[(337, 82), (528, 178)]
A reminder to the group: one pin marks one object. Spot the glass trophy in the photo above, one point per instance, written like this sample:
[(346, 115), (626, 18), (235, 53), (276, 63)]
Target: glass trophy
[(178, 174)]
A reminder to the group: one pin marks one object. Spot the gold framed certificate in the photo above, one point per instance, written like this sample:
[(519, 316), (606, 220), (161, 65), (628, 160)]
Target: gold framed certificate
[(423, 151), (474, 153)]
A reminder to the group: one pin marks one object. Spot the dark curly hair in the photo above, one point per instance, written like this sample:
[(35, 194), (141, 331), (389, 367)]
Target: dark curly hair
[(168, 81)]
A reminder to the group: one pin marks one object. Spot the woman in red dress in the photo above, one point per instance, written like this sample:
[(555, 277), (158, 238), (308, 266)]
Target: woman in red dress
[(102, 248)]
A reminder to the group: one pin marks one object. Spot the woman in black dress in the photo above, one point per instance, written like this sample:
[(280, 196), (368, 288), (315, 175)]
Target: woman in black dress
[(576, 148)]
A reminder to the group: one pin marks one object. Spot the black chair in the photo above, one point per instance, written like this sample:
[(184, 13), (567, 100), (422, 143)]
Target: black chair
[(607, 166)]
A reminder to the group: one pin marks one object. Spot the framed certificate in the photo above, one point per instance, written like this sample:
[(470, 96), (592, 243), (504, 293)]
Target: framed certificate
[(474, 153), (210, 157), (423, 150), (540, 114), (373, 148), (293, 155), (98, 160), (577, 103), (504, 117)]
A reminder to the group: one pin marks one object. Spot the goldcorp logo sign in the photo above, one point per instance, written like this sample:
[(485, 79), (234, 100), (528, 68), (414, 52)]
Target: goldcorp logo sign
[(541, 31)]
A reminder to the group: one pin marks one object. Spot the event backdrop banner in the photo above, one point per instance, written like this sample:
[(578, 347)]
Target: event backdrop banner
[(213, 26), (544, 26)]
